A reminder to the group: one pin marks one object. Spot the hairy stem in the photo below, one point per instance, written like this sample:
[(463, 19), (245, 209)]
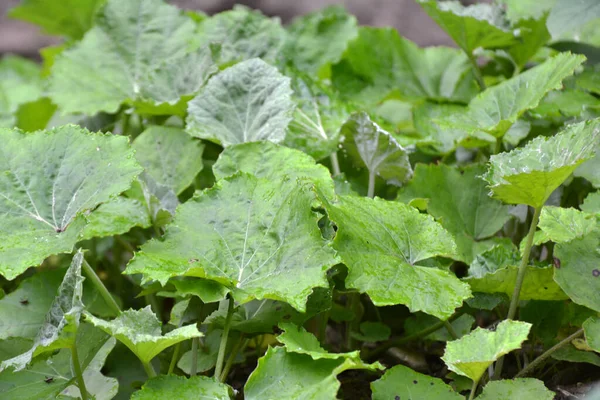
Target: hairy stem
[(335, 164), (371, 190), (194, 365), (224, 337), (477, 72), (149, 369), (535, 363), (91, 275), (78, 373)]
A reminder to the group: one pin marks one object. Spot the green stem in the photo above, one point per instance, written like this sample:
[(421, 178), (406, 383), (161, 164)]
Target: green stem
[(323, 319), (371, 190), (91, 274), (352, 301), (224, 337), (194, 365), (78, 373), (451, 330), (174, 358), (514, 301), (535, 363), (239, 347), (335, 163), (149, 369), (473, 389), (477, 72)]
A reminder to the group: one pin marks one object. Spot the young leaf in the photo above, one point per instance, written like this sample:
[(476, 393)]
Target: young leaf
[(528, 175), (376, 149), (522, 388), (20, 83), (471, 355), (169, 155), (159, 201), (243, 34), (381, 242), (172, 386), (401, 382), (70, 18), (478, 25), (244, 103), (496, 109), (62, 320), (140, 331), (253, 235), (270, 161), (578, 269), (567, 15), (561, 225), (41, 203), (317, 40), (459, 200), (284, 375), (151, 67), (379, 62), (207, 291)]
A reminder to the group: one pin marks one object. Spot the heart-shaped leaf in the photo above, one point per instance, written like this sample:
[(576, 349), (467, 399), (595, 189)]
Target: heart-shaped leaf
[(140, 331), (253, 235), (172, 386), (248, 102), (382, 255), (472, 354), (522, 388), (528, 175), (401, 382)]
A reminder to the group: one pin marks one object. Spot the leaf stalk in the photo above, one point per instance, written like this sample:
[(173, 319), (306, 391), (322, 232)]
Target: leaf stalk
[(97, 282), (224, 337), (78, 372)]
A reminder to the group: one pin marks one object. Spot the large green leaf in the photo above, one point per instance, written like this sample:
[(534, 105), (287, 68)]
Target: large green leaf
[(370, 146), (472, 354), (459, 200), (256, 236), (592, 333), (169, 155), (318, 39), (41, 203), (381, 242), (528, 175), (579, 269), (243, 33), (271, 161), (140, 331), (566, 15), (70, 18), (20, 83), (284, 375), (380, 62), (172, 386), (401, 382), (496, 109), (148, 60), (244, 103), (479, 25), (62, 319), (522, 388)]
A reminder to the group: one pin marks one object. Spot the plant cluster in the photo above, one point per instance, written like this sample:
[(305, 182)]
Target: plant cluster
[(312, 211)]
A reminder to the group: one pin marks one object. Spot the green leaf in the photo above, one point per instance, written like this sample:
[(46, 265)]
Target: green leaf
[(591, 204), (538, 283), (180, 387), (47, 377), (380, 62), (471, 355), (381, 242), (560, 104), (479, 25), (232, 234), (20, 83), (41, 204), (115, 217), (318, 39), (459, 200), (592, 333), (140, 331), (297, 340), (561, 225), (590, 170), (62, 320), (159, 201), (284, 375), (496, 109), (371, 146), (517, 10), (70, 18), (492, 260), (567, 15), (35, 115), (149, 68), (579, 272), (207, 291), (243, 34), (244, 103), (372, 332), (522, 176), (462, 326), (571, 354), (401, 382), (207, 353), (169, 155), (509, 389), (270, 161)]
